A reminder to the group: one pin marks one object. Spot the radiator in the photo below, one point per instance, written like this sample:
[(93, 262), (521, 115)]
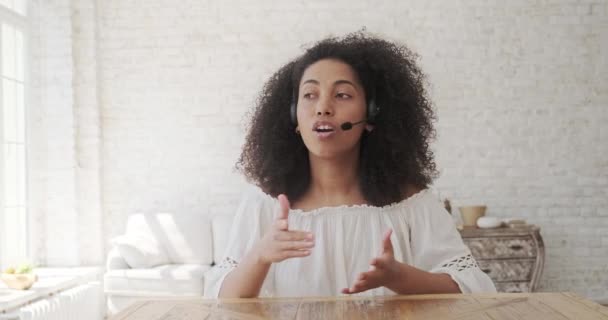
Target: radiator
[(79, 303)]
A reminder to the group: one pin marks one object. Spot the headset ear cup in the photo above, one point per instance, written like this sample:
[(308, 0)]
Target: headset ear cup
[(293, 113), (372, 111)]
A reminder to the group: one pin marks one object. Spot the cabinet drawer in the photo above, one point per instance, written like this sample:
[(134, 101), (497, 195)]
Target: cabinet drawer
[(512, 287), (492, 248), (508, 270)]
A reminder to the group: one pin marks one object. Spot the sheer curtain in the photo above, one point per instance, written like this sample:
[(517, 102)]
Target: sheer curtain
[(65, 200), (13, 149)]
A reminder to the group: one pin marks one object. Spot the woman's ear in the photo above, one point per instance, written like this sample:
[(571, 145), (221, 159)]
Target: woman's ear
[(369, 127)]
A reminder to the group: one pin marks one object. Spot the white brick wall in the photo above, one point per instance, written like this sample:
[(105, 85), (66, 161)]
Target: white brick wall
[(159, 98)]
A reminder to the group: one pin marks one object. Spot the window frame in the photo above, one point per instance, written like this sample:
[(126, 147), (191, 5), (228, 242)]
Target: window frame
[(19, 22)]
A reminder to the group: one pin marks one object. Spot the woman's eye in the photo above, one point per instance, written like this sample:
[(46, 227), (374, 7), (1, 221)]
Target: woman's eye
[(308, 95), (343, 95)]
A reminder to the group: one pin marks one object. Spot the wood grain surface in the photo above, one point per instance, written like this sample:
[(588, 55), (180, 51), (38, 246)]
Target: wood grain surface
[(502, 306)]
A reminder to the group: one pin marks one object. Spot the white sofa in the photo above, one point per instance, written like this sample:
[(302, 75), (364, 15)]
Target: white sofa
[(191, 245)]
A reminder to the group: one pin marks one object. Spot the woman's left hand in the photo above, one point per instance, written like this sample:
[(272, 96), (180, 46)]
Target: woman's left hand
[(383, 271)]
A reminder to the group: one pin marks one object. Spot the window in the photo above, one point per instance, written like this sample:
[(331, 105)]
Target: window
[(13, 182)]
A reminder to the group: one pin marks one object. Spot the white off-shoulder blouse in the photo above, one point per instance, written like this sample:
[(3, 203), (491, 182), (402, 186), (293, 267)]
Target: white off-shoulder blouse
[(347, 238)]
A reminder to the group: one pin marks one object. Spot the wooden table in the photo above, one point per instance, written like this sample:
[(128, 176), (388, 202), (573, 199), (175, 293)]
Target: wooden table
[(512, 306)]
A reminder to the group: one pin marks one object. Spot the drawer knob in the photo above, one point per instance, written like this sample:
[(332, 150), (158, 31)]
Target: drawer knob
[(516, 247)]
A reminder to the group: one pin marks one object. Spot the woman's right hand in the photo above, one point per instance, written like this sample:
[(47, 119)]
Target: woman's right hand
[(279, 243)]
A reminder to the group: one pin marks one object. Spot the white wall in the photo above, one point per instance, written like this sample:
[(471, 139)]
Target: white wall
[(140, 104)]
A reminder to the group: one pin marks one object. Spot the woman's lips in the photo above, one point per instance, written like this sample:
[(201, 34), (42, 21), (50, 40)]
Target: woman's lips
[(323, 135), (324, 129)]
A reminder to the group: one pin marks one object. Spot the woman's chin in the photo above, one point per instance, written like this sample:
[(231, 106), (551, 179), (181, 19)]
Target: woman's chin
[(329, 152)]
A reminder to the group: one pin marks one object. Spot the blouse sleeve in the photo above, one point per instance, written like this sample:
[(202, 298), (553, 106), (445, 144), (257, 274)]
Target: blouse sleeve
[(438, 247), (253, 217)]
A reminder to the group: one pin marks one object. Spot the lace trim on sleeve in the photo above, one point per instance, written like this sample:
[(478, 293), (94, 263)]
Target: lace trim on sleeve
[(228, 263), (462, 263)]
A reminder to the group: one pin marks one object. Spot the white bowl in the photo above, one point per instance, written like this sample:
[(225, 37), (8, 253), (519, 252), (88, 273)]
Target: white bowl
[(489, 222), (19, 281)]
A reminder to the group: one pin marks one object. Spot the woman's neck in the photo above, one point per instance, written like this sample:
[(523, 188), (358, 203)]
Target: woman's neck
[(333, 182)]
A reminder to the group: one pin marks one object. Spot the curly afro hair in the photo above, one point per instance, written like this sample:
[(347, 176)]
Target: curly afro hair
[(393, 156)]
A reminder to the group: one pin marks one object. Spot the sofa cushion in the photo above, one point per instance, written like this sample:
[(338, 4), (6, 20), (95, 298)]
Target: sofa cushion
[(115, 260), (140, 251), (186, 238), (221, 228), (183, 279)]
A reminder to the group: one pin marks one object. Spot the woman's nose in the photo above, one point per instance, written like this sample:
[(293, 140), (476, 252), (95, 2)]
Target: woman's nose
[(324, 107)]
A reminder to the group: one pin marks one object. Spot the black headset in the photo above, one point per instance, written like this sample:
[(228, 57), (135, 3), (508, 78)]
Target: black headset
[(372, 109)]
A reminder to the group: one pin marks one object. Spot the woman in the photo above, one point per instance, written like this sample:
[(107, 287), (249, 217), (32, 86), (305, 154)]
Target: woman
[(339, 151)]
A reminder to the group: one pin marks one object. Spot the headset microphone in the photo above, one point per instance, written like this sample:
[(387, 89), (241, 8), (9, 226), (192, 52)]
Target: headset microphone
[(349, 125)]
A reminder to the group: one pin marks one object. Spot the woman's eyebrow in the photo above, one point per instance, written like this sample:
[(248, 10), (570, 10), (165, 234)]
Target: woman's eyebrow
[(337, 82), (344, 82), (310, 81)]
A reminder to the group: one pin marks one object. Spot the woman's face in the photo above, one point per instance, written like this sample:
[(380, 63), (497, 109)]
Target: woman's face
[(330, 94)]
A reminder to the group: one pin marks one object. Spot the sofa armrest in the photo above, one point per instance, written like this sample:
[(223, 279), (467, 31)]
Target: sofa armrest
[(115, 260)]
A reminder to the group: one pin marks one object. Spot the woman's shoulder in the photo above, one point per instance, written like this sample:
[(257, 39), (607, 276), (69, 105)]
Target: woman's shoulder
[(418, 201), (254, 191), (413, 197), (424, 204), (410, 190), (255, 199)]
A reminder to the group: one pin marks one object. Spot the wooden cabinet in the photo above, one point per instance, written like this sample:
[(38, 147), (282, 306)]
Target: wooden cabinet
[(512, 257)]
